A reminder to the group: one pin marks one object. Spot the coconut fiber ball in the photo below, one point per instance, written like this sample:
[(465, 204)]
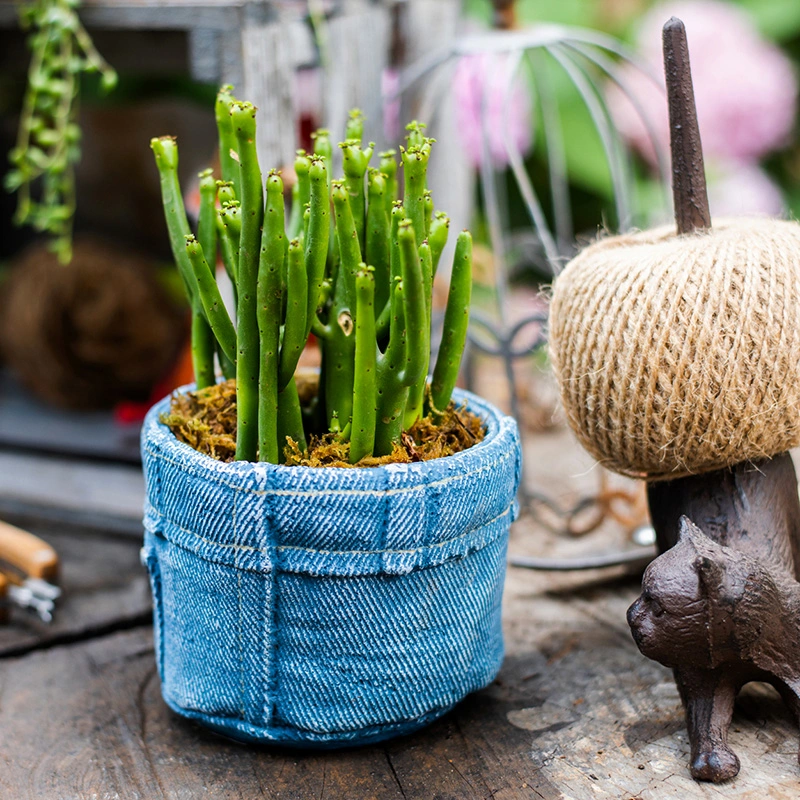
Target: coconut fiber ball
[(90, 333), (678, 355)]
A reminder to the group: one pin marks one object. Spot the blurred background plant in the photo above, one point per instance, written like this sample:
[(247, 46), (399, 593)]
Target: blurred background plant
[(48, 140), (549, 118)]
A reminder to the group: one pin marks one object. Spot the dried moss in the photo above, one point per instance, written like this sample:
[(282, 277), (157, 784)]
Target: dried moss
[(206, 421)]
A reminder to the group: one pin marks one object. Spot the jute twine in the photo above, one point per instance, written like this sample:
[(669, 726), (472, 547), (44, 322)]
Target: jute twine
[(681, 355)]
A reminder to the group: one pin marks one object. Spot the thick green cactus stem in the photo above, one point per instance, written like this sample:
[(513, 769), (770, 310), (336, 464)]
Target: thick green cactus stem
[(398, 215), (202, 343), (227, 139), (338, 346), (378, 237), (392, 392), (225, 192), (294, 331), (416, 313), (355, 125), (301, 193), (416, 395), (207, 219), (437, 238), (165, 150), (243, 118), (208, 292), (456, 320), (317, 237), (270, 267), (415, 167), (416, 133), (229, 230), (355, 161), (349, 246), (388, 166), (324, 147), (290, 419), (403, 363), (362, 433), (428, 203)]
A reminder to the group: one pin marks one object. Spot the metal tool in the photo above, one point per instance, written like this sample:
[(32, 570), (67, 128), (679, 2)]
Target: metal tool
[(28, 571)]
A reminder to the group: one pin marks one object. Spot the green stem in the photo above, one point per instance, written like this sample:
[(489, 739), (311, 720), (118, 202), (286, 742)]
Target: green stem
[(301, 193), (354, 164), (228, 231), (456, 321), (392, 393), (273, 255), (290, 418), (207, 290), (415, 168), (362, 434), (416, 395), (294, 331), (166, 154), (388, 166), (416, 313), (437, 238), (355, 125), (317, 237), (227, 138), (378, 238), (428, 206), (207, 218), (247, 360), (202, 351)]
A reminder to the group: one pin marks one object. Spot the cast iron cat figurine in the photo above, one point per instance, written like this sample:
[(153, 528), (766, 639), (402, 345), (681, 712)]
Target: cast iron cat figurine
[(722, 607)]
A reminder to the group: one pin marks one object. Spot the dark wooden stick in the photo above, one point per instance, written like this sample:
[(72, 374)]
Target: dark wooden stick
[(688, 172)]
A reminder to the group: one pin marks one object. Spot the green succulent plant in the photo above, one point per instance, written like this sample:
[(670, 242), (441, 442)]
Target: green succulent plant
[(351, 264), (48, 140)]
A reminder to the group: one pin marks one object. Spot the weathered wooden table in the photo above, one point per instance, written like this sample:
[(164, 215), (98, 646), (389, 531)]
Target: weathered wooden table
[(576, 711)]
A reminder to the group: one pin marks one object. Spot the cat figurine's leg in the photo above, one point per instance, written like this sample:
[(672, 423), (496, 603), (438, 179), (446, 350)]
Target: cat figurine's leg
[(708, 698), (789, 690)]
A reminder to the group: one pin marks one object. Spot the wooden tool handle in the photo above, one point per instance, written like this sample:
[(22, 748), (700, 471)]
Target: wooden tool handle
[(3, 603), (26, 554)]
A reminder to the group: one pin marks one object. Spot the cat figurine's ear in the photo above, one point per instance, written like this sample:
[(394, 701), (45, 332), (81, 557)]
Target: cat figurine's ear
[(710, 561)]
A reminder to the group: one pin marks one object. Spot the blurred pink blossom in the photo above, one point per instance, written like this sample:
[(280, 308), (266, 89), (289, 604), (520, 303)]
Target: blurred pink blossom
[(743, 190), (485, 80), (745, 87)]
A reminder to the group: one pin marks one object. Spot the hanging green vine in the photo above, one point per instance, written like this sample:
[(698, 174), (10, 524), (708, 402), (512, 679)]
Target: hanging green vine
[(48, 141)]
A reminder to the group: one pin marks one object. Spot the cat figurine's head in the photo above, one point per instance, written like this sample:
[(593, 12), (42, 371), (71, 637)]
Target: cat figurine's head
[(687, 612)]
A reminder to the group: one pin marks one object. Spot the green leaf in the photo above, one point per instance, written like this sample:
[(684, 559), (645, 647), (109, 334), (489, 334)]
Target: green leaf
[(776, 19)]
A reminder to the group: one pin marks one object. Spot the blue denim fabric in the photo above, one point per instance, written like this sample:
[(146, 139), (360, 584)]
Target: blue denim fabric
[(327, 607)]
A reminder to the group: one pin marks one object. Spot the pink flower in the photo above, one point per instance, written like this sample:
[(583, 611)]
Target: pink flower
[(744, 190), (484, 81), (745, 87)]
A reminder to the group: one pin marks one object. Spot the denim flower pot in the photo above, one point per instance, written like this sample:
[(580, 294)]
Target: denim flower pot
[(327, 607)]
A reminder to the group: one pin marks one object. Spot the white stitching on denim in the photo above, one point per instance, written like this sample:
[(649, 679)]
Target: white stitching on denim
[(295, 549)]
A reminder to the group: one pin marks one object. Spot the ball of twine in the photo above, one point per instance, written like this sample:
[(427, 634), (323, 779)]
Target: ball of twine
[(678, 355)]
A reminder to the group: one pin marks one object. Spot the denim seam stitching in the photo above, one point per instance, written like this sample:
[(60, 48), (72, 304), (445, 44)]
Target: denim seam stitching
[(295, 549)]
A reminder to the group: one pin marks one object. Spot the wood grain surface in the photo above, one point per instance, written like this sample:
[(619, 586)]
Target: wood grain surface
[(575, 713)]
